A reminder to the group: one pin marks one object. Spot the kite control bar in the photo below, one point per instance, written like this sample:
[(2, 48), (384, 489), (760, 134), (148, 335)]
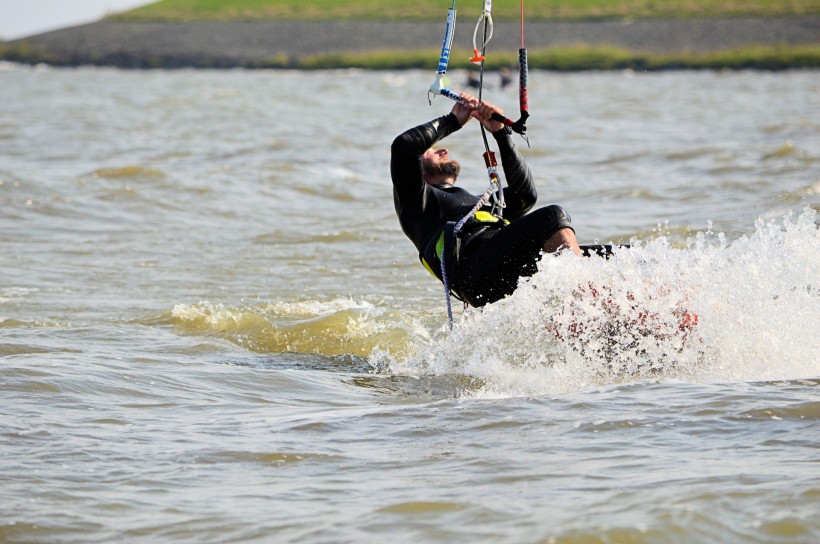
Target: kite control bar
[(438, 88), (518, 127)]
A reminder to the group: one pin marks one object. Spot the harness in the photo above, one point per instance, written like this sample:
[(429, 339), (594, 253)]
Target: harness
[(449, 243)]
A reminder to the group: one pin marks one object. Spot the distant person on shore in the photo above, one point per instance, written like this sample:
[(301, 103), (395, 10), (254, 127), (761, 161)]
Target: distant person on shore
[(485, 261), (472, 80), (506, 77)]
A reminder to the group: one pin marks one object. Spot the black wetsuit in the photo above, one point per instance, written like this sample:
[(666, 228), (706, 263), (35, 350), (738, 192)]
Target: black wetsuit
[(491, 257)]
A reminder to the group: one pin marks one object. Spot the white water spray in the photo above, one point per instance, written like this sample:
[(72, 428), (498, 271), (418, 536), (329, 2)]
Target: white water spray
[(581, 323)]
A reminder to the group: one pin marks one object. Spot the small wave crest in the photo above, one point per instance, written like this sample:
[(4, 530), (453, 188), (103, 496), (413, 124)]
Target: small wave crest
[(715, 311), (338, 327), (128, 172)]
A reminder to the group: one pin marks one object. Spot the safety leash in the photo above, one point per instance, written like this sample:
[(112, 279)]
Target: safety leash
[(485, 198), (478, 58), (494, 192)]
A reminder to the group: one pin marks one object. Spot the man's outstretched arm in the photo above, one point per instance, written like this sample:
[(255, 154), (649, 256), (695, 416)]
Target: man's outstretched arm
[(520, 195), (407, 149)]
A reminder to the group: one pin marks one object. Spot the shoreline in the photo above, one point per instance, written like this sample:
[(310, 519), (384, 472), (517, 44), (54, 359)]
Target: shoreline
[(647, 44)]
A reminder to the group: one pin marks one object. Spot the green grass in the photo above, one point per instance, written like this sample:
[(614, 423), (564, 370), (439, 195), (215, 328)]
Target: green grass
[(193, 10), (567, 59), (572, 59), (26, 54)]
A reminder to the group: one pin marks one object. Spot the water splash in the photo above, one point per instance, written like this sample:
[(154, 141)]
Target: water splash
[(581, 323)]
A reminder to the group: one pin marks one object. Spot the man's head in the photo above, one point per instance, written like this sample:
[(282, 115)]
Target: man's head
[(438, 168)]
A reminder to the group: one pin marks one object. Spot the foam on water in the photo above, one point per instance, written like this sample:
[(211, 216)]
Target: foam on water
[(588, 322)]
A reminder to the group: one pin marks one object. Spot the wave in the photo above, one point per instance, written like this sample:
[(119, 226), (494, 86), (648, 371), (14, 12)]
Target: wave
[(329, 328), (128, 172)]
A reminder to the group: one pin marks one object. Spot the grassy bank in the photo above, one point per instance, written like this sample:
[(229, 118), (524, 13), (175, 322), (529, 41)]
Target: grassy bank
[(196, 10), (295, 34), (573, 59), (565, 59)]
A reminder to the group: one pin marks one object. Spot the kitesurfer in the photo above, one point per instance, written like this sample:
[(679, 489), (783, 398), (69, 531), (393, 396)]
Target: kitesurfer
[(488, 256)]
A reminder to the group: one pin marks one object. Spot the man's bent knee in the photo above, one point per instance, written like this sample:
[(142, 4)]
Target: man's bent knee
[(564, 238), (557, 217)]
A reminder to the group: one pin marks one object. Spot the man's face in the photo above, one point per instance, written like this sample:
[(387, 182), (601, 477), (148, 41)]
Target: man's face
[(438, 167)]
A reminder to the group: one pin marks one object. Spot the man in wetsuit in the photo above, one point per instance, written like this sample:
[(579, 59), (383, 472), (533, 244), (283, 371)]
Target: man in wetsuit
[(490, 255)]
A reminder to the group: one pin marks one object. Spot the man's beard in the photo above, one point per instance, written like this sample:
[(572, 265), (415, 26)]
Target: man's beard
[(449, 168)]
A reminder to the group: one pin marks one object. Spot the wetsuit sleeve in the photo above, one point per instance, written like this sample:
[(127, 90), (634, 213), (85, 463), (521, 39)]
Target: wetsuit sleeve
[(520, 195), (405, 160)]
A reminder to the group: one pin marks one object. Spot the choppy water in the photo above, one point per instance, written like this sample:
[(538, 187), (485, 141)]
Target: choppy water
[(213, 330)]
